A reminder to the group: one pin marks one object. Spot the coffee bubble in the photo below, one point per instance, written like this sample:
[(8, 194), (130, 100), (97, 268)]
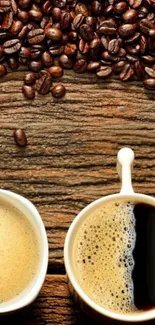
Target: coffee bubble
[(103, 259)]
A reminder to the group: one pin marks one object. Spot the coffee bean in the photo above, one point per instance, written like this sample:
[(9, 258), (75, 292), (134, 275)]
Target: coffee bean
[(55, 71), (35, 66), (93, 66), (11, 46), (95, 49), (139, 69), (58, 91), (108, 27), (3, 71), (47, 59), (78, 20), (83, 46), (149, 83), (127, 30), (127, 72), (146, 26), (82, 9), (86, 32), (65, 62), (114, 46), (135, 3), (130, 16), (70, 49), (104, 72), (5, 6), (13, 62), (118, 67), (29, 78), (36, 36), (28, 92), (20, 137), (120, 7), (43, 84), (80, 66), (16, 27), (150, 72), (53, 33)]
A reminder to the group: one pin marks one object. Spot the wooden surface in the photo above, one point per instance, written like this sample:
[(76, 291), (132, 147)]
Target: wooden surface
[(70, 161)]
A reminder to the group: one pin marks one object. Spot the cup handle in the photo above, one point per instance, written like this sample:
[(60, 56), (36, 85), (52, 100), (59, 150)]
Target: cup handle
[(125, 158)]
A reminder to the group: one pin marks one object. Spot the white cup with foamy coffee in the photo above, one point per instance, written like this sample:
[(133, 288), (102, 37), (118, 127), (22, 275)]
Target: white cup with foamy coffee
[(23, 252), (109, 253)]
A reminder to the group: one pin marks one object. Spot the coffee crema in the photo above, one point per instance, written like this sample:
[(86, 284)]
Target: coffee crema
[(106, 256), (19, 251)]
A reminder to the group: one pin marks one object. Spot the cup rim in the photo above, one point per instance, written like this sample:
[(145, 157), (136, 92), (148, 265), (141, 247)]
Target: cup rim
[(29, 297), (141, 316)]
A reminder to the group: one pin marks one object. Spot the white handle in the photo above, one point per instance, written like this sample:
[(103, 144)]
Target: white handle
[(125, 158)]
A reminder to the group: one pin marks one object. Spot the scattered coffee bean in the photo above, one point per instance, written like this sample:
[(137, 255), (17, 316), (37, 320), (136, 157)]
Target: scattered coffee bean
[(3, 71), (28, 92), (20, 137), (149, 83), (58, 91), (29, 78), (55, 71)]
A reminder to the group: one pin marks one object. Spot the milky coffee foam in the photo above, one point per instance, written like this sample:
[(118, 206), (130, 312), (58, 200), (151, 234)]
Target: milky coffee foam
[(19, 251), (102, 256)]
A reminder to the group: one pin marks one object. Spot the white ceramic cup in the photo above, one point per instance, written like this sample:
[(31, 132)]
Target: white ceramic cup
[(31, 291), (124, 165)]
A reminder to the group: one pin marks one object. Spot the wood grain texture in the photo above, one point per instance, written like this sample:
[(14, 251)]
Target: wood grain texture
[(72, 145), (54, 306)]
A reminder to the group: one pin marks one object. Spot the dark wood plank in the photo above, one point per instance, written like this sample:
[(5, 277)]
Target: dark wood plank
[(72, 145), (54, 306)]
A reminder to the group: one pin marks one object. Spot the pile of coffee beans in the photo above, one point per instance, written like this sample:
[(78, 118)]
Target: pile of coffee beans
[(105, 37)]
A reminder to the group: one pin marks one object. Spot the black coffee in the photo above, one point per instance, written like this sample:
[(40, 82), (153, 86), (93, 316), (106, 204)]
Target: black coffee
[(144, 256), (114, 256)]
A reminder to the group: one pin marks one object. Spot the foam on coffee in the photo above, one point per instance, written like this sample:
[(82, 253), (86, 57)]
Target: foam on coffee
[(19, 251), (103, 259)]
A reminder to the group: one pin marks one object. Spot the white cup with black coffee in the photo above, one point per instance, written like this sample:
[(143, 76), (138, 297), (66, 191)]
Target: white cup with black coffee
[(109, 253), (23, 252)]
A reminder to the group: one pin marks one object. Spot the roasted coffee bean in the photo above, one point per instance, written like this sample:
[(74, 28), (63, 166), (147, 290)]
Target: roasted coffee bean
[(3, 71), (133, 39), (58, 91), (135, 3), (65, 19), (114, 46), (95, 49), (93, 66), (150, 72), (56, 13), (82, 9), (127, 30), (78, 21), (53, 33), (55, 71), (5, 6), (35, 66), (80, 66), (143, 44), (56, 50), (16, 27), (29, 78), (104, 72), (70, 49), (36, 36), (108, 27), (47, 59), (83, 46), (146, 26), (127, 72), (7, 20), (86, 32), (148, 59), (43, 84), (139, 69), (20, 137), (96, 8), (120, 7), (12, 46), (149, 83), (28, 92), (130, 16), (24, 4), (36, 51), (13, 62), (23, 16), (65, 62), (118, 67)]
